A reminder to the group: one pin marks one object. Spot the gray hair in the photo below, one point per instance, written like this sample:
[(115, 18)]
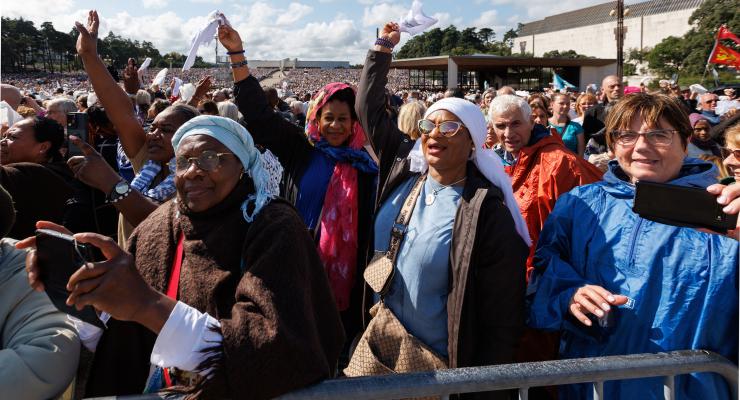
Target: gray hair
[(65, 105), (143, 98), (507, 103), (228, 109)]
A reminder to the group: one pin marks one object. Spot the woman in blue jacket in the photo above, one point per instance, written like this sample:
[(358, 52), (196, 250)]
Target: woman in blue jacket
[(615, 283)]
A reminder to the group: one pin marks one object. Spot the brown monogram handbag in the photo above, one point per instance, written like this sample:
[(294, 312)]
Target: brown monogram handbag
[(386, 347)]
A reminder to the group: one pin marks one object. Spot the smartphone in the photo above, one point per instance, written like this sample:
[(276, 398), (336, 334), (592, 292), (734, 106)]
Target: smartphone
[(681, 206), (77, 126), (59, 256)]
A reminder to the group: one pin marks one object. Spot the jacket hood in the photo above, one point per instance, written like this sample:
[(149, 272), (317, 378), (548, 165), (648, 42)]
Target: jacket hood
[(694, 172)]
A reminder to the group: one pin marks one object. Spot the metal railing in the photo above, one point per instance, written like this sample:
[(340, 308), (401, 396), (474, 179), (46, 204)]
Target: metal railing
[(521, 376)]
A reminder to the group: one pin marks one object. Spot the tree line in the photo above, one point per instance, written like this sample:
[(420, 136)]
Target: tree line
[(451, 41), (27, 48)]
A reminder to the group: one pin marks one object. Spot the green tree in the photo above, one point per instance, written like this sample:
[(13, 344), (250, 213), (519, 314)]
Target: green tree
[(668, 56), (563, 54), (486, 35)]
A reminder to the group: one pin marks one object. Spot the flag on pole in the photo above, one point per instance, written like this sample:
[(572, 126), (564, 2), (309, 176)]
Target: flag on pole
[(560, 83), (725, 55), (724, 33)]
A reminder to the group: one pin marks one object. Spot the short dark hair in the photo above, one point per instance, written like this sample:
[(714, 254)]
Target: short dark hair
[(48, 130), (184, 111), (346, 95), (208, 107), (97, 116)]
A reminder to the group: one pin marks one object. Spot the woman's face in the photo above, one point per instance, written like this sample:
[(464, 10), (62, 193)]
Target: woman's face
[(335, 123), (446, 153), (539, 116), (560, 106), (54, 112), (585, 104), (200, 190), (159, 137), (731, 162), (645, 161), (701, 130), (18, 144), (487, 99)]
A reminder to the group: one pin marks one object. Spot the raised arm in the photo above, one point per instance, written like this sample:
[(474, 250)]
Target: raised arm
[(382, 132), (117, 104)]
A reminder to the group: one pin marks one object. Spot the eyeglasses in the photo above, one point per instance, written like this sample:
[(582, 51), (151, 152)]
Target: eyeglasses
[(207, 161), (446, 128), (735, 153), (659, 137), (711, 101)]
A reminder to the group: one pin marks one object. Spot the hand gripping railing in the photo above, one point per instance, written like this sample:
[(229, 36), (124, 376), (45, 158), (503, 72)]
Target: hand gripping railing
[(521, 376)]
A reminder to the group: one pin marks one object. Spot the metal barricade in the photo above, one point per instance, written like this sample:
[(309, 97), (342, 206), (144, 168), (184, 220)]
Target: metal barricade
[(521, 376)]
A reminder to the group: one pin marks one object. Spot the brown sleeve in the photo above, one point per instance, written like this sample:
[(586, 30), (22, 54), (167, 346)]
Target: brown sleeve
[(284, 332)]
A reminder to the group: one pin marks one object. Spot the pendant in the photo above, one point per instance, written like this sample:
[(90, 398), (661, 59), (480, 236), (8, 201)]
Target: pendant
[(429, 199)]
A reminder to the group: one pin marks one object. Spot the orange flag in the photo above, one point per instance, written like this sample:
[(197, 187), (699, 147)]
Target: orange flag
[(725, 55), (725, 33)]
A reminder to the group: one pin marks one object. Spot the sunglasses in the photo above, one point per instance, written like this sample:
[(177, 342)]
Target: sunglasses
[(207, 161), (735, 153), (445, 128)]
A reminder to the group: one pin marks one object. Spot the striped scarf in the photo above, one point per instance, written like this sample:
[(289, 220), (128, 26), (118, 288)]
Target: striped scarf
[(143, 180)]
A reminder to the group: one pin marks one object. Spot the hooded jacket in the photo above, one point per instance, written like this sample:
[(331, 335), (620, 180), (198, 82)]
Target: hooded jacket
[(682, 284), (39, 348), (544, 171)]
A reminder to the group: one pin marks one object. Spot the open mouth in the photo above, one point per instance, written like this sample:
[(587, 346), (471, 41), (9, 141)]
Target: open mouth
[(435, 149)]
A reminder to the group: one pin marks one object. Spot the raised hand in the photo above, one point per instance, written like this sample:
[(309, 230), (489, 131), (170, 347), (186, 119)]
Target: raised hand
[(131, 77), (87, 41), (91, 168), (391, 31), (202, 87), (230, 38)]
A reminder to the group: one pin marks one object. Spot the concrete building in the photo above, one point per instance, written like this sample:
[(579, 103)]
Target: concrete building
[(478, 72), (591, 31)]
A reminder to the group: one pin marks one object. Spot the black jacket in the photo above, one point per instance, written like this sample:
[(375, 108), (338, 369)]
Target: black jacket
[(289, 144)]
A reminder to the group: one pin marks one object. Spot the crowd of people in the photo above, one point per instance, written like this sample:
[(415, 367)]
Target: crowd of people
[(247, 244)]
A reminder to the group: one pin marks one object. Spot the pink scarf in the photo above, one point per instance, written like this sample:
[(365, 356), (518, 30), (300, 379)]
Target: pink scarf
[(338, 235)]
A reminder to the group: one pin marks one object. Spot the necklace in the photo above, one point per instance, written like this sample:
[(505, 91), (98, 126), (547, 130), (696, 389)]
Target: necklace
[(431, 197)]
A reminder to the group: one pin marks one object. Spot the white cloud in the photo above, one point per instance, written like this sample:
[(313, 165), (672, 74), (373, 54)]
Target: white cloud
[(379, 14), (487, 19), (295, 12), (155, 4), (38, 11)]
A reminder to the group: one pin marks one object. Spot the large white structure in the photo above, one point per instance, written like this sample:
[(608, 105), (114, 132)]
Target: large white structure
[(591, 31)]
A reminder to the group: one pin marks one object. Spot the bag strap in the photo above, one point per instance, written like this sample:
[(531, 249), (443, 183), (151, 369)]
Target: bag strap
[(401, 224), (174, 284)]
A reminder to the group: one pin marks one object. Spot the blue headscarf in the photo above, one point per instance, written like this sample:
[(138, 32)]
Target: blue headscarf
[(264, 169)]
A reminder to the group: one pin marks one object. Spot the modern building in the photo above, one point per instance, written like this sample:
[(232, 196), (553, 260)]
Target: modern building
[(591, 31), (483, 71)]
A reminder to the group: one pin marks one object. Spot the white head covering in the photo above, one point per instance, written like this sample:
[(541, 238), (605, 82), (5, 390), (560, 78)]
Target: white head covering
[(487, 161)]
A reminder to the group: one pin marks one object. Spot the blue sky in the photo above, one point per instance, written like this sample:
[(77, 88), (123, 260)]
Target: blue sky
[(318, 29)]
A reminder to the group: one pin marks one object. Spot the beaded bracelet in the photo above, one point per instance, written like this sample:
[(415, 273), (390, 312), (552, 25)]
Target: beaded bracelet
[(242, 63), (384, 43), (232, 53)]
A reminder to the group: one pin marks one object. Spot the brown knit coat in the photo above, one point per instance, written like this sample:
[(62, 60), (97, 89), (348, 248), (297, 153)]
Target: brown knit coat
[(281, 330)]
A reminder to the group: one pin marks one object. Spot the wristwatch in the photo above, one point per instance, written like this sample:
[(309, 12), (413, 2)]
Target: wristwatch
[(120, 191)]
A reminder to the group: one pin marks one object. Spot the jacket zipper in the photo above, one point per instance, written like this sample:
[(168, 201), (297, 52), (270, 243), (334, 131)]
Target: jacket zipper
[(633, 241)]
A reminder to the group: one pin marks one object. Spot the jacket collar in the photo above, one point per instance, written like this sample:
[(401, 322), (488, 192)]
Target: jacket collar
[(694, 172)]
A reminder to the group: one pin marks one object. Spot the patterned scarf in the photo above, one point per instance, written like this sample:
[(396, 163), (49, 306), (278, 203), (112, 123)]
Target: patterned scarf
[(338, 234), (162, 192)]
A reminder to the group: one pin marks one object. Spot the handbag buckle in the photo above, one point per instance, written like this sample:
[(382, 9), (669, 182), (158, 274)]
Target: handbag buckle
[(399, 230)]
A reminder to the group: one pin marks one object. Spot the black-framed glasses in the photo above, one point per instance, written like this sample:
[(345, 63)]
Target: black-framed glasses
[(658, 137), (207, 161), (446, 128)]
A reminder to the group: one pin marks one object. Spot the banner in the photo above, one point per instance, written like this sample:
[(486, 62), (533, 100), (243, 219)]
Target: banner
[(724, 33), (559, 83), (724, 55)]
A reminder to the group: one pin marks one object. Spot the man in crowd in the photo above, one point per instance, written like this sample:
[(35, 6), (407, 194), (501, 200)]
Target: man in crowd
[(593, 121), (708, 104)]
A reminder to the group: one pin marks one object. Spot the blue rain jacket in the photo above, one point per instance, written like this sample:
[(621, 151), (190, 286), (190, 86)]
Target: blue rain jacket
[(682, 284)]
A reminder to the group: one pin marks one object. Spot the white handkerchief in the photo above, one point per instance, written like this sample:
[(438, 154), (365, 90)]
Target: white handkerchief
[(204, 36), (416, 21), (145, 65), (159, 79), (176, 89)]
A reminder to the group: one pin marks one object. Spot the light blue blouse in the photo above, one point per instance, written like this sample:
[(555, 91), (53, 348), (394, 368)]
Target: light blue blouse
[(418, 294)]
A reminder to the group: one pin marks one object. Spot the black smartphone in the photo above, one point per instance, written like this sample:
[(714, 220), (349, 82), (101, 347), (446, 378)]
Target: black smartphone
[(681, 206), (59, 256), (77, 126)]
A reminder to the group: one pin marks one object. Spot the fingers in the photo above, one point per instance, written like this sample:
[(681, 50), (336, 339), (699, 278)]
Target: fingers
[(109, 247), (32, 270), (575, 309), (715, 189), (620, 300), (27, 243), (82, 287), (85, 272), (730, 198), (80, 28), (85, 147), (52, 226), (75, 164), (593, 299), (95, 23)]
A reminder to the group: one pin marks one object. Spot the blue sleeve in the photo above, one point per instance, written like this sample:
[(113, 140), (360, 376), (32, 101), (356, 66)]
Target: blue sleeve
[(577, 128), (554, 279)]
